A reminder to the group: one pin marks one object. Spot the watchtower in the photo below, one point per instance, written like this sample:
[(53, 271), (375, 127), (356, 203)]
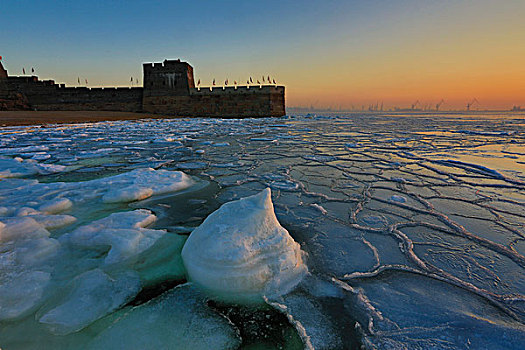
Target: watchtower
[(171, 77)]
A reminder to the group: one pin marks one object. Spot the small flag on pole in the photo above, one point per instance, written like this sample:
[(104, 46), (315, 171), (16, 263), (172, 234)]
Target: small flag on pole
[(24, 71), (258, 82), (226, 82), (235, 82), (78, 79), (251, 81), (274, 82), (32, 70), (198, 82), (86, 82), (263, 78), (269, 79), (131, 79), (0, 58), (248, 82), (213, 82)]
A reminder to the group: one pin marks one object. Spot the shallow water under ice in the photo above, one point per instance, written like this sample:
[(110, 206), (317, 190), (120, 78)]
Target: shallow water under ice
[(414, 229)]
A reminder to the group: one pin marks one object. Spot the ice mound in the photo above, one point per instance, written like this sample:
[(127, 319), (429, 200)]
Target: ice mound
[(143, 183), (178, 319), (91, 296), (123, 232), (16, 167), (241, 252)]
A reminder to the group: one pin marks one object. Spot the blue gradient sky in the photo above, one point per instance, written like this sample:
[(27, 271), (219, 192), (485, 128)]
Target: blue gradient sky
[(327, 53)]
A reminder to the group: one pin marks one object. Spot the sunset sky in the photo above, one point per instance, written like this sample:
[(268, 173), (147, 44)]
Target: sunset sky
[(326, 53)]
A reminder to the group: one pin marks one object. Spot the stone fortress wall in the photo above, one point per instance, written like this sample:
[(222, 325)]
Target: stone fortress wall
[(169, 89), (48, 96)]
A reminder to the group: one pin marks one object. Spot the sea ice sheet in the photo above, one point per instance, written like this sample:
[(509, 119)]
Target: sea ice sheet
[(417, 221)]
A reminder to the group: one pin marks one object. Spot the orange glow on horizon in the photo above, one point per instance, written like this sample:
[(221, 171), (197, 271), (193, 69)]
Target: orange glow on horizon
[(455, 61)]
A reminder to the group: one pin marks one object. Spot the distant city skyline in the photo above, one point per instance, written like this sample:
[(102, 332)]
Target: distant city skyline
[(328, 54)]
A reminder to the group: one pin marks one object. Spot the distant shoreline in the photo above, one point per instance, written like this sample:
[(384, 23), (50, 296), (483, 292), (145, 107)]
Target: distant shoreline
[(27, 118), (30, 118)]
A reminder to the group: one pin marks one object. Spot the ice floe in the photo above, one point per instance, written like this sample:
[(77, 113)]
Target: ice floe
[(143, 183), (21, 293), (18, 167), (34, 198), (179, 319), (88, 297), (25, 248), (123, 233)]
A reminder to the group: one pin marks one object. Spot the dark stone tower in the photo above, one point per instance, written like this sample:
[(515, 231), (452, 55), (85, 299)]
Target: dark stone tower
[(3, 81), (172, 77), (3, 72)]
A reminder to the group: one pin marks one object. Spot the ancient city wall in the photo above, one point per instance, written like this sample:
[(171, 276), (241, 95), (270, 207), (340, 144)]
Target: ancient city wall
[(169, 89), (46, 95), (228, 102)]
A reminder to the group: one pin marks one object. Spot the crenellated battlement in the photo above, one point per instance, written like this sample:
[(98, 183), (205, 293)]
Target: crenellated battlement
[(244, 89)]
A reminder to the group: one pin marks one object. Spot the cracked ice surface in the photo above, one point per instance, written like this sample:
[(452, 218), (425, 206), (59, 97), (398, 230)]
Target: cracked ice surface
[(414, 225)]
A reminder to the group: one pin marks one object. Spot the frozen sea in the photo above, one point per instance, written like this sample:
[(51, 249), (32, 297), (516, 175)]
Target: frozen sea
[(413, 229)]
